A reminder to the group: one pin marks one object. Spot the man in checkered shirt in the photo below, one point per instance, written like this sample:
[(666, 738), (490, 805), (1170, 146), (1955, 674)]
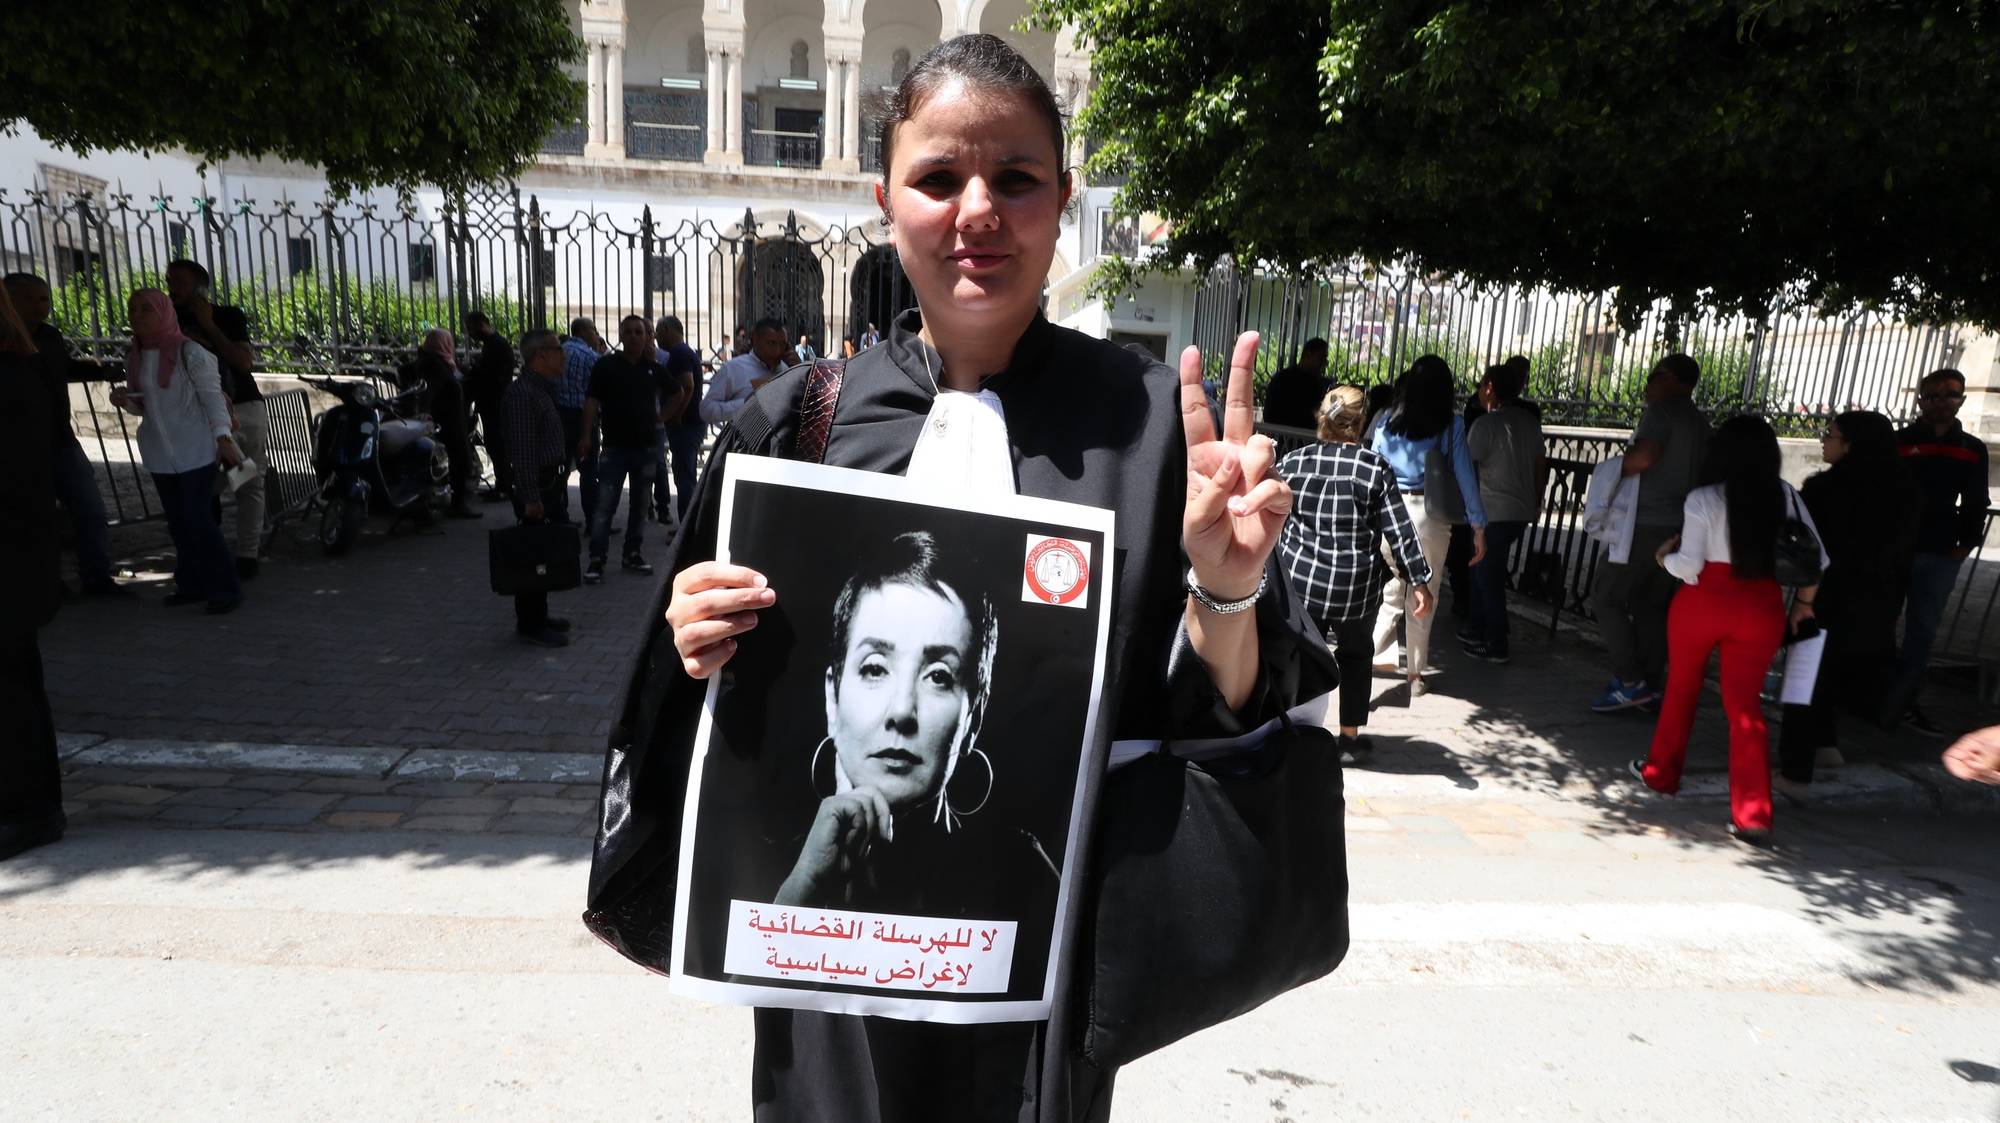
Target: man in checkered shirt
[(1348, 527)]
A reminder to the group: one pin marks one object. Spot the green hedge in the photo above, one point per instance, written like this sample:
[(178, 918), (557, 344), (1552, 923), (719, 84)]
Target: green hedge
[(378, 324)]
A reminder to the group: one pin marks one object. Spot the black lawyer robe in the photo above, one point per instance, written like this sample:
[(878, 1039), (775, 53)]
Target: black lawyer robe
[(1088, 422)]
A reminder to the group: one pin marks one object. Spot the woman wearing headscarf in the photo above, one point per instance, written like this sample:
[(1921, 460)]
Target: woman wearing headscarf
[(975, 390), (174, 386), (1867, 507), (1345, 509)]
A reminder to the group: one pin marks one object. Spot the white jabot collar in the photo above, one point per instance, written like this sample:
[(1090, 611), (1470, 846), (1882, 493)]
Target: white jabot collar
[(964, 445)]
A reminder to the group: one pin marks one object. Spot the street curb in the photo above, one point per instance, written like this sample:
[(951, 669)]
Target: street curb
[(1923, 789), (1864, 788), (86, 749)]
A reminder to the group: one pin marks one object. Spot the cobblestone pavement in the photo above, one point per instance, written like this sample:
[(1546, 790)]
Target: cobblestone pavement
[(399, 643)]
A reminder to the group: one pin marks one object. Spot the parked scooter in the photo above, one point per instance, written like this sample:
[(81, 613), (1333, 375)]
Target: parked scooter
[(372, 454)]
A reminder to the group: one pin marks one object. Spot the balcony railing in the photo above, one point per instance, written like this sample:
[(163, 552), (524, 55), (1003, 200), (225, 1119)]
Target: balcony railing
[(566, 140), (772, 148), (649, 140)]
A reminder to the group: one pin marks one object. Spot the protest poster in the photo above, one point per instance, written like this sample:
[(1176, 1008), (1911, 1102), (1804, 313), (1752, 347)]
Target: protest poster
[(887, 773)]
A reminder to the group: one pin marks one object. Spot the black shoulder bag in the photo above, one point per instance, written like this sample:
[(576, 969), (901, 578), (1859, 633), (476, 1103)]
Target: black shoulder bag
[(1798, 548), (1219, 886)]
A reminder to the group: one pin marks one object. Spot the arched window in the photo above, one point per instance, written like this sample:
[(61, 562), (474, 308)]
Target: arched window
[(799, 60), (697, 55), (899, 65)]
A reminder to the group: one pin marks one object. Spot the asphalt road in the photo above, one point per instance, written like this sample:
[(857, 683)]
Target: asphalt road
[(1566, 966)]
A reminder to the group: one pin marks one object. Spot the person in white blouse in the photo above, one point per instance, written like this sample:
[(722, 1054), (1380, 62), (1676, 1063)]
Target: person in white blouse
[(1726, 557), (173, 385)]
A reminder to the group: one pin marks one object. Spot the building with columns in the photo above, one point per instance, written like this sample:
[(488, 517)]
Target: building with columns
[(791, 86)]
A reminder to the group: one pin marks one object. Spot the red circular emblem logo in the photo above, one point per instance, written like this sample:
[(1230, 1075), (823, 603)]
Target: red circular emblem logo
[(1057, 571)]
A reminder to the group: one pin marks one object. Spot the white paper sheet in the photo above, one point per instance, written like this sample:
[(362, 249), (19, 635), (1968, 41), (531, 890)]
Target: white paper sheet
[(1802, 670)]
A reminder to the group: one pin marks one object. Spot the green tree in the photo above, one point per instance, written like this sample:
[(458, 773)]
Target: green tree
[(1738, 155), (375, 92)]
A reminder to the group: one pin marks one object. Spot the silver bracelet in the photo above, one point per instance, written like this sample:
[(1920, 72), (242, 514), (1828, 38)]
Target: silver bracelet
[(1225, 607)]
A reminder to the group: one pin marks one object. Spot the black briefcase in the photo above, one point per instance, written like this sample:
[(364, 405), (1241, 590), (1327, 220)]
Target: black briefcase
[(534, 558)]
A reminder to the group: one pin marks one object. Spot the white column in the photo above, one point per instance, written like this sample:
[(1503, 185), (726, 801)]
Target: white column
[(614, 99), (732, 108), (596, 93), (829, 145), (713, 88), (850, 129)]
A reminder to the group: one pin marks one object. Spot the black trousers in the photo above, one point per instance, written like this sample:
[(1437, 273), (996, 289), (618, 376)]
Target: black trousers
[(493, 430), (531, 610), (1353, 650), (1852, 678), (1458, 572), (30, 775), (447, 405), (586, 468)]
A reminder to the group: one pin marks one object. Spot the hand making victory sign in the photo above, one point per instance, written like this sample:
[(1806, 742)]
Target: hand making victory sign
[(1235, 509)]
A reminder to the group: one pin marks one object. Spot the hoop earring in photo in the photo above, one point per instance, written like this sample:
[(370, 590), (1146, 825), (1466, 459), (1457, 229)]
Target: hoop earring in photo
[(827, 789), (983, 796)]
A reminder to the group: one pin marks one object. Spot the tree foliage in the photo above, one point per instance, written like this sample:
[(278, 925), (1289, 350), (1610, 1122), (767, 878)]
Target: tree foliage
[(1738, 155), (375, 92)]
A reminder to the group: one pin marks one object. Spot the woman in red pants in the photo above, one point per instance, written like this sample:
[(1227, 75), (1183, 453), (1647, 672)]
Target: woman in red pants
[(1726, 554)]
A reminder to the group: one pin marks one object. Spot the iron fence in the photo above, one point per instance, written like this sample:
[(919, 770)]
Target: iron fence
[(338, 288), (350, 289), (1796, 369)]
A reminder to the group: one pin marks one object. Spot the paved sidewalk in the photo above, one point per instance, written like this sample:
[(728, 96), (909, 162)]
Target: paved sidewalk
[(399, 648), (399, 643)]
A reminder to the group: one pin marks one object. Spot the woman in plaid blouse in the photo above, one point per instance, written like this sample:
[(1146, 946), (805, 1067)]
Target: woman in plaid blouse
[(1345, 504)]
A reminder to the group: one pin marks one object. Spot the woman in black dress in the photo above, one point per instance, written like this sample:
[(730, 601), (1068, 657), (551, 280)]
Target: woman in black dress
[(974, 191), (1866, 507)]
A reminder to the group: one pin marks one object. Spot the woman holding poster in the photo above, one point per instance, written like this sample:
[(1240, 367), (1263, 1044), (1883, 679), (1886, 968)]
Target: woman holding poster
[(975, 394)]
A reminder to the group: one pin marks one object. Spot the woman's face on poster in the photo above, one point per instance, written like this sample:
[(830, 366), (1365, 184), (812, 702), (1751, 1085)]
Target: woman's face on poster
[(895, 709)]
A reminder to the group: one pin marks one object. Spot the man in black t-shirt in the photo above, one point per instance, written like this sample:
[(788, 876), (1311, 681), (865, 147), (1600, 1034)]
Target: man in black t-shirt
[(486, 385), (1293, 396), (225, 331), (625, 395)]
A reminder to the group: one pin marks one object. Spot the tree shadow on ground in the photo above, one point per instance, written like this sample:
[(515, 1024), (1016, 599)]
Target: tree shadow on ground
[(107, 850), (1897, 890)]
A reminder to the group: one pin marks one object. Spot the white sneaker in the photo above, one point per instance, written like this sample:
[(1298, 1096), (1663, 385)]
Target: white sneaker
[(1419, 688)]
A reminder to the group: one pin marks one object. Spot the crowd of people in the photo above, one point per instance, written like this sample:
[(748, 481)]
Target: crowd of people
[(1707, 550), (1206, 647)]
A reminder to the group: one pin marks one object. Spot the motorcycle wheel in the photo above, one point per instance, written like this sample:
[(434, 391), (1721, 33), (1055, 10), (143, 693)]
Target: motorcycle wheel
[(340, 524)]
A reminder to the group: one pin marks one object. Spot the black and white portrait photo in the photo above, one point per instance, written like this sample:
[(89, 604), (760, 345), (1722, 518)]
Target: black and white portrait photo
[(878, 822)]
